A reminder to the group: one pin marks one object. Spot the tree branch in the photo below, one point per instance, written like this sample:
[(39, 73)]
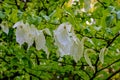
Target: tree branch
[(102, 4), (4, 60), (108, 44), (109, 65), (11, 77), (17, 4), (113, 74), (111, 41), (96, 69), (32, 74)]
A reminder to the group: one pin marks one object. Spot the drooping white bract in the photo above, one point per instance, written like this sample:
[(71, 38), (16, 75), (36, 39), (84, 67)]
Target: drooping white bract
[(4, 26), (28, 33), (102, 53), (63, 39), (77, 50), (41, 42), (87, 57), (67, 42), (24, 33), (20, 32)]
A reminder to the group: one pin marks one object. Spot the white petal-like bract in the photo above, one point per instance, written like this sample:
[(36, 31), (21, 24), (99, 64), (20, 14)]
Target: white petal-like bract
[(101, 54), (67, 42), (28, 33), (4, 26), (87, 58), (41, 42), (62, 39)]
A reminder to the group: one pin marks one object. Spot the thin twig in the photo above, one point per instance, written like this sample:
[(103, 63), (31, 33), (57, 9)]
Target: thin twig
[(102, 4), (17, 4), (108, 44), (109, 65), (4, 60), (32, 74), (111, 41), (113, 74)]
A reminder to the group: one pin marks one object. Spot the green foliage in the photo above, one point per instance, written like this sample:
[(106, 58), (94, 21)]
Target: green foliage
[(99, 24)]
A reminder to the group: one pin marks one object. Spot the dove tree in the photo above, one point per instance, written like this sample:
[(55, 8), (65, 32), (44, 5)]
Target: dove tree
[(59, 39)]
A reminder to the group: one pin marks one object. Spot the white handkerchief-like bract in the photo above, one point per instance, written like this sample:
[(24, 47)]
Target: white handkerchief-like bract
[(40, 42), (63, 39), (4, 26), (67, 42), (20, 32), (28, 33), (24, 33)]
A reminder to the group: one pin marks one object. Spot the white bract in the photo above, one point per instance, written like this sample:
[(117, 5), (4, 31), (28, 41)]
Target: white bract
[(40, 41), (24, 33), (63, 39), (67, 42), (4, 26), (101, 54), (87, 57), (20, 32), (77, 50), (28, 33)]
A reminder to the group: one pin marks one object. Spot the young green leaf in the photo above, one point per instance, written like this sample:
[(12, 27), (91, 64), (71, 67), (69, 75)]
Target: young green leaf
[(47, 31)]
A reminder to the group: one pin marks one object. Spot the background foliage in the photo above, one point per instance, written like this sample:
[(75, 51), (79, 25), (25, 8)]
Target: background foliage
[(98, 20)]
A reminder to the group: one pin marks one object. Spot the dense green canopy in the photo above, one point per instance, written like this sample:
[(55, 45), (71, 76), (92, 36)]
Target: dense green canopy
[(59, 39)]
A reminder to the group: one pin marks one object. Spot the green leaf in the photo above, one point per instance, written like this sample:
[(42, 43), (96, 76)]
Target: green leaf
[(109, 20), (118, 15)]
